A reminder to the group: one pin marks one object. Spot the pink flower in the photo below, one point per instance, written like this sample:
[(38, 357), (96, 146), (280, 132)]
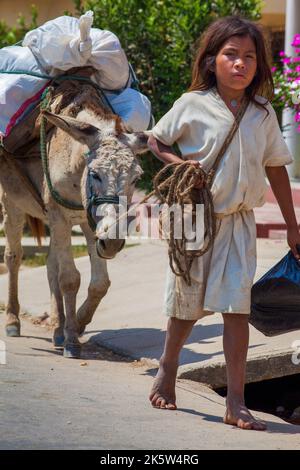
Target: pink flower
[(297, 117), (273, 69), (287, 60), (297, 51), (282, 54), (287, 71), (296, 59), (296, 41), (298, 68)]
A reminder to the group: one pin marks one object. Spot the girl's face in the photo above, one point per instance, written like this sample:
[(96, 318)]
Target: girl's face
[(236, 63)]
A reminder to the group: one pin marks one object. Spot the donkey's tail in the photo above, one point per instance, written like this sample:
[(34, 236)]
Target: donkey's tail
[(37, 228)]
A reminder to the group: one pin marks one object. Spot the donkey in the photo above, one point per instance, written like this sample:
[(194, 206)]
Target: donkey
[(90, 157)]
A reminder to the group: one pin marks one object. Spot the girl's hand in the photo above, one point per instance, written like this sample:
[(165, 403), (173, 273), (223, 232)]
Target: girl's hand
[(293, 239), (195, 163)]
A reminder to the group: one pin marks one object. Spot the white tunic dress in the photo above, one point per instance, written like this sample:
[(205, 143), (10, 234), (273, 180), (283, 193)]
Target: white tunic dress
[(199, 123)]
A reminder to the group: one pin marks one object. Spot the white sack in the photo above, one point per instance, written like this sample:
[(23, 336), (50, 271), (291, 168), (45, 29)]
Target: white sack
[(18, 92), (68, 42), (133, 107)]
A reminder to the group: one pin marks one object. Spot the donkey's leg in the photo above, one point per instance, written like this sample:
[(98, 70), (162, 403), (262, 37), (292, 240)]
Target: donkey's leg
[(14, 219), (68, 279), (57, 315), (99, 282)]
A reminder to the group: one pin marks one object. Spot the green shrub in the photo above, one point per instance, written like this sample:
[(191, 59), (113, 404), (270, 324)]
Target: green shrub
[(12, 35)]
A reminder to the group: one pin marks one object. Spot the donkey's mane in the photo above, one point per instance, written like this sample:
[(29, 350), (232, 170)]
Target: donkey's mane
[(73, 96)]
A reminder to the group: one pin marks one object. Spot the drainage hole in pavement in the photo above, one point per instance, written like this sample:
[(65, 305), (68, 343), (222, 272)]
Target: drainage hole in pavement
[(280, 397)]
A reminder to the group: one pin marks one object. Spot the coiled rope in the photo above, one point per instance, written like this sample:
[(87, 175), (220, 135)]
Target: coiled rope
[(179, 189)]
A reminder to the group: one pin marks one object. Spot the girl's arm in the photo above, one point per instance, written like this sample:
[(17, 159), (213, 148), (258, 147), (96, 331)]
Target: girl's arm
[(280, 184), (165, 153)]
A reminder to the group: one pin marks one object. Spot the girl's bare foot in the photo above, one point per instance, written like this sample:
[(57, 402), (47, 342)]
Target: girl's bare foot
[(237, 414), (163, 391)]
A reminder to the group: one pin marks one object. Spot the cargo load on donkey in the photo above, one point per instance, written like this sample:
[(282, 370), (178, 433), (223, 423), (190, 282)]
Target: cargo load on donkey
[(55, 48), (70, 163)]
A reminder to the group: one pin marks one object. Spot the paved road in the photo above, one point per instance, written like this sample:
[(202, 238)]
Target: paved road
[(100, 402)]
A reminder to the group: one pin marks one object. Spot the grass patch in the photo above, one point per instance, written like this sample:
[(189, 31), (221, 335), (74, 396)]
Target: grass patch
[(131, 245), (40, 259)]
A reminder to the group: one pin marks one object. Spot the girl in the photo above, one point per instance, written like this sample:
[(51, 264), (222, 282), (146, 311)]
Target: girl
[(231, 65)]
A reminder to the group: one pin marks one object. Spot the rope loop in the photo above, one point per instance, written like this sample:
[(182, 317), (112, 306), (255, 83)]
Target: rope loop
[(187, 184)]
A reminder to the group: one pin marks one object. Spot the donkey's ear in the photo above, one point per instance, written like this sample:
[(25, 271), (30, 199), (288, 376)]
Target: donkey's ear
[(137, 141), (81, 131)]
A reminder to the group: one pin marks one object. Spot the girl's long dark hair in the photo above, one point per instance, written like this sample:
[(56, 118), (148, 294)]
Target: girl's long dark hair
[(213, 39)]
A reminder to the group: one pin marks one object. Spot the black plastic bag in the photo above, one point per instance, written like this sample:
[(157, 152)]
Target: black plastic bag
[(275, 298)]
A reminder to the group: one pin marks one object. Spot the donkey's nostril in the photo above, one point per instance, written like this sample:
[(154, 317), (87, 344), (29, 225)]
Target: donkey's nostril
[(105, 229)]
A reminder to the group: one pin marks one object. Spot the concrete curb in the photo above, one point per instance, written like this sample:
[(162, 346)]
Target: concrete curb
[(260, 368)]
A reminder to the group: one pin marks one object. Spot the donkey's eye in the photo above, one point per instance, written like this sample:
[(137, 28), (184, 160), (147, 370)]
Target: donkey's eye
[(96, 176)]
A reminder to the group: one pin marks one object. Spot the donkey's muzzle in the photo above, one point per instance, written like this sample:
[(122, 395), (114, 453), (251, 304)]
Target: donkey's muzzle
[(107, 249)]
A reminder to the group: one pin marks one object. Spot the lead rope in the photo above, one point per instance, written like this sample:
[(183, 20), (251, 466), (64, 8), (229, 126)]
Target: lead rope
[(179, 188)]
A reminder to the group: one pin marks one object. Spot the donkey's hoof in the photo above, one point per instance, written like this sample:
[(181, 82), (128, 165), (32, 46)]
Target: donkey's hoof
[(72, 351), (13, 330), (58, 341)]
